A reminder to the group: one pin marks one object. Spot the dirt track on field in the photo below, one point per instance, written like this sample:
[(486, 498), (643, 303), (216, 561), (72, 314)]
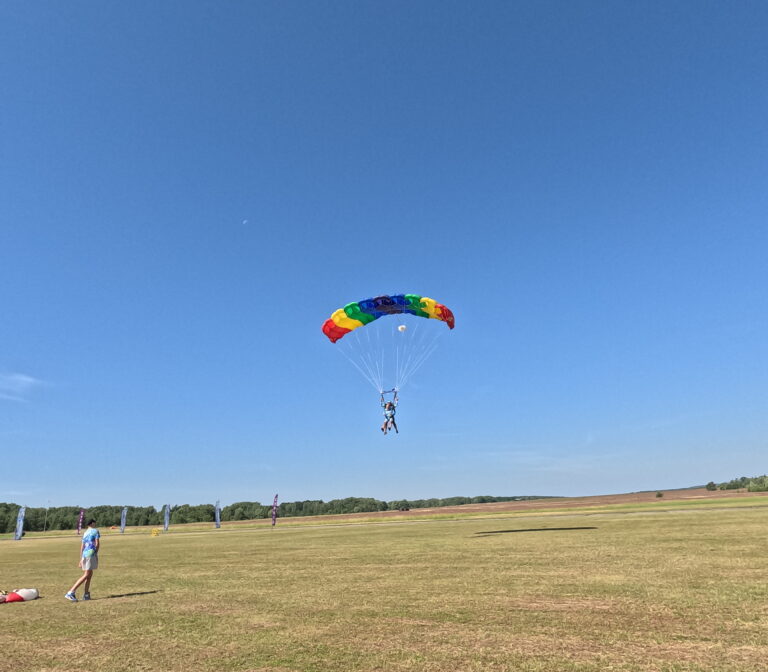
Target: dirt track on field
[(558, 503)]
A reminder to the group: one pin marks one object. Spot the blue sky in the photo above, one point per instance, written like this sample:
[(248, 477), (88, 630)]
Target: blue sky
[(189, 189)]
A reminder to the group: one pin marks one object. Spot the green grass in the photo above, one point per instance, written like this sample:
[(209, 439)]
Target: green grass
[(652, 591)]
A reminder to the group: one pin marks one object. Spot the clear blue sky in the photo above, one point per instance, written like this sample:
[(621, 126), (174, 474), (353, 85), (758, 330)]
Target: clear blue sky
[(189, 189)]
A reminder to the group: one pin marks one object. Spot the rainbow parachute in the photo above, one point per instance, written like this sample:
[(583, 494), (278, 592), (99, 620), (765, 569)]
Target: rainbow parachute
[(360, 313)]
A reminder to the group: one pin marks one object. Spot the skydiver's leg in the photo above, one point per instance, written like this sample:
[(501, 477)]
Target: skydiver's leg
[(394, 424)]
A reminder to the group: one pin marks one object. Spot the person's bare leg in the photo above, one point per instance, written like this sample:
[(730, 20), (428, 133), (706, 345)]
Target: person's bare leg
[(85, 577), (87, 586)]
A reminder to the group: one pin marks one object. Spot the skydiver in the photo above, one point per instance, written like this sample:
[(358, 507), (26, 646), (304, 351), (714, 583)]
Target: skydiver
[(389, 414)]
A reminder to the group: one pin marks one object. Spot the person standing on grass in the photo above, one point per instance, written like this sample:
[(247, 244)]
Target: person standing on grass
[(89, 560)]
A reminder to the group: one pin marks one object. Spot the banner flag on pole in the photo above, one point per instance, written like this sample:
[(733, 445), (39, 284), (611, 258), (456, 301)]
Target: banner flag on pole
[(217, 515), (167, 517), (20, 524), (274, 511), (80, 521), (123, 516)]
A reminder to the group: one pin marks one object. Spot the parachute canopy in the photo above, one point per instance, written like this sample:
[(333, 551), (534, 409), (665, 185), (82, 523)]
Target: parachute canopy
[(360, 313)]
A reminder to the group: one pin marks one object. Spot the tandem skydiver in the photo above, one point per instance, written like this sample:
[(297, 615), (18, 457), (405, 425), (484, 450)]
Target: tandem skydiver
[(389, 413)]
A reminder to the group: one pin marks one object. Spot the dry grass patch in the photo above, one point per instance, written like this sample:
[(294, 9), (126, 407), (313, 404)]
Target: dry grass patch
[(674, 592)]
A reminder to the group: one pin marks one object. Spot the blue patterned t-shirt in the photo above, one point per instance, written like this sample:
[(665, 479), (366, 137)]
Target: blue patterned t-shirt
[(89, 542)]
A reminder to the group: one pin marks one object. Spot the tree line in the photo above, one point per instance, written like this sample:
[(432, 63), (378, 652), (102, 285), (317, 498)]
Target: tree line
[(38, 519), (748, 483)]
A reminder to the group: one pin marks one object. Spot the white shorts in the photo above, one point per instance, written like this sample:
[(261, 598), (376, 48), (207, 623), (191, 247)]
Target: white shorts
[(92, 562)]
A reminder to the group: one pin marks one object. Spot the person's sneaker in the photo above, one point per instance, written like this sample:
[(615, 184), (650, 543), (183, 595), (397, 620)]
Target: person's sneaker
[(87, 596), (71, 597)]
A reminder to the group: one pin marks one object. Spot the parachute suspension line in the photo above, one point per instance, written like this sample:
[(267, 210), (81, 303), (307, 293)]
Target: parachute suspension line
[(371, 353), (414, 346), (404, 352), (386, 356), (397, 367), (363, 356), (379, 347), (365, 373), (418, 362), (421, 347)]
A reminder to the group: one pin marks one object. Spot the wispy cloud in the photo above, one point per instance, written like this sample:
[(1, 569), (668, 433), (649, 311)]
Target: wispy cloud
[(17, 386)]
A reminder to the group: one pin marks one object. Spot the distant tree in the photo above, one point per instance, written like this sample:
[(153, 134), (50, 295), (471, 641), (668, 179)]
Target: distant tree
[(711, 485), (66, 517), (758, 484), (10, 511), (33, 519), (243, 511), (659, 494), (735, 484)]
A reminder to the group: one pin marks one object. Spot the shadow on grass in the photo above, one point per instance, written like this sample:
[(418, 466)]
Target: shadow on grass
[(112, 597), (534, 529)]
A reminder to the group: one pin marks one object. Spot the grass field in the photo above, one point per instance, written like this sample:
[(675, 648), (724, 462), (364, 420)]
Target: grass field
[(649, 590)]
